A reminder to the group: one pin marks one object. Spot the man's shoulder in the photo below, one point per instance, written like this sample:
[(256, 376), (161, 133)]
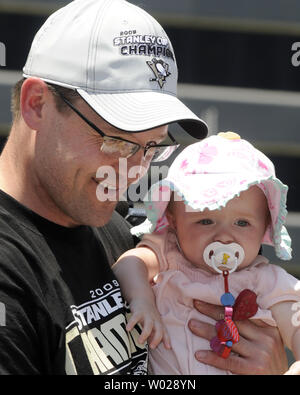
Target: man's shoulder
[(14, 218), (13, 231), (23, 251)]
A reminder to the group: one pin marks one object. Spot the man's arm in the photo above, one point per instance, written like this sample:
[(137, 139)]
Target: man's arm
[(19, 341), (286, 317)]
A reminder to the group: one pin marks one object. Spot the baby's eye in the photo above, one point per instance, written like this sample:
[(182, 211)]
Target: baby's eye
[(205, 221), (242, 223)]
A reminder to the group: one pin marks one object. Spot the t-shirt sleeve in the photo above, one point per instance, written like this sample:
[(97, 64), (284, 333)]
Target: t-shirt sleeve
[(275, 285)]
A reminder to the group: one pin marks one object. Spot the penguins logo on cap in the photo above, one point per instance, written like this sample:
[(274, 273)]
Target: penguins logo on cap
[(160, 70)]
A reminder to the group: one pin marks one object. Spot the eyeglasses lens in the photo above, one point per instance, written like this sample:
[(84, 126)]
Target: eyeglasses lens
[(159, 154), (123, 149), (126, 149)]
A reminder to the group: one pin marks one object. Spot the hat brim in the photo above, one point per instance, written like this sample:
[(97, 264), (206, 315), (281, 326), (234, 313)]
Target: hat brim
[(140, 111), (200, 192)]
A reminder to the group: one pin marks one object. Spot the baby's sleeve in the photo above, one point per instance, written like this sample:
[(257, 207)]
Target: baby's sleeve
[(157, 243), (275, 285)]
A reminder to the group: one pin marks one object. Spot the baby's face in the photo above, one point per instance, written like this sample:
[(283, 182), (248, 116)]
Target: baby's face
[(243, 221)]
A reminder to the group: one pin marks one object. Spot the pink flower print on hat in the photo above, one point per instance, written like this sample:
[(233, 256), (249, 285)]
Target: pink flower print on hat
[(184, 164), (226, 183), (210, 192), (263, 167), (207, 154)]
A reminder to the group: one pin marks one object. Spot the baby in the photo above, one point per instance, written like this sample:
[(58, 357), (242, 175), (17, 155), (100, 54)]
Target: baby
[(206, 222)]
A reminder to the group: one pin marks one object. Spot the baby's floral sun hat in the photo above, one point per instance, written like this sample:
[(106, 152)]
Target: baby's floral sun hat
[(208, 174)]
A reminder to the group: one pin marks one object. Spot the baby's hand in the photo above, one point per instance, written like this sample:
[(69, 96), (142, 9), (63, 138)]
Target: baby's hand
[(146, 313)]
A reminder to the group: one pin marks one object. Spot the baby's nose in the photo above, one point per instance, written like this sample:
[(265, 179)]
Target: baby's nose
[(224, 236)]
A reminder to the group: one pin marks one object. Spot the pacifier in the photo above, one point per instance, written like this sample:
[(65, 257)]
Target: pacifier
[(223, 257)]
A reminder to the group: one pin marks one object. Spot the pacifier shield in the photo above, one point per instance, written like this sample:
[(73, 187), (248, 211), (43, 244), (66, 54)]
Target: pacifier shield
[(222, 257)]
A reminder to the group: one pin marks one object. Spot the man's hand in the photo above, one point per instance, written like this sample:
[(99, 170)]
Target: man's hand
[(259, 351)]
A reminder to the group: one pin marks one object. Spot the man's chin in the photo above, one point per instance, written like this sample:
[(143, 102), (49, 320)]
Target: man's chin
[(104, 216)]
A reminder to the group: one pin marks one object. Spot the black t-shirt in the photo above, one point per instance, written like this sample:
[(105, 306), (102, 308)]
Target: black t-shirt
[(61, 309)]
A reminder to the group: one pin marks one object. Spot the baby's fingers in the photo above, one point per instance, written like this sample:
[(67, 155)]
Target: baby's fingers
[(146, 331), (134, 319), (153, 329), (159, 333), (147, 326), (166, 340)]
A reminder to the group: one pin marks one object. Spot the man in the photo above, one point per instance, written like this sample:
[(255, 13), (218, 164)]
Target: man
[(99, 90)]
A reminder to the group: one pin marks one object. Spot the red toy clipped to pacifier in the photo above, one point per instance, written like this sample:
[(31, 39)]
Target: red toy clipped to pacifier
[(225, 258)]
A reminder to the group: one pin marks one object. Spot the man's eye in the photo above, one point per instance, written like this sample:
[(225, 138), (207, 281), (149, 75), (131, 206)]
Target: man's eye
[(205, 221), (242, 223)]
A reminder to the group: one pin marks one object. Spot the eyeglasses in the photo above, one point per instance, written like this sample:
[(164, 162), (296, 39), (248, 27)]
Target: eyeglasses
[(125, 148)]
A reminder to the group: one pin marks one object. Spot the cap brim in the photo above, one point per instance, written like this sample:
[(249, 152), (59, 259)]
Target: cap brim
[(140, 111)]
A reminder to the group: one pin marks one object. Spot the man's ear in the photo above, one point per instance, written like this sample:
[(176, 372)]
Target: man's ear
[(32, 100)]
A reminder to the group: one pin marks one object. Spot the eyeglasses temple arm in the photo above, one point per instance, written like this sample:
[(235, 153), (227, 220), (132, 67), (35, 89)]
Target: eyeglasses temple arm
[(91, 124), (173, 139)]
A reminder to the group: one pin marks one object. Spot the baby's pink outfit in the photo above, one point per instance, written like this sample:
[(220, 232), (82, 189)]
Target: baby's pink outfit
[(179, 282)]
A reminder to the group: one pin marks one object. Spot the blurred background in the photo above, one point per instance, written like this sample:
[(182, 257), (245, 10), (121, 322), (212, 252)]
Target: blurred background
[(238, 69), (235, 70)]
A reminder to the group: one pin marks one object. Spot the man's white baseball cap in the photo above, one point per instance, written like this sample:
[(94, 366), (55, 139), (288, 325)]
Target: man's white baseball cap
[(120, 61)]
